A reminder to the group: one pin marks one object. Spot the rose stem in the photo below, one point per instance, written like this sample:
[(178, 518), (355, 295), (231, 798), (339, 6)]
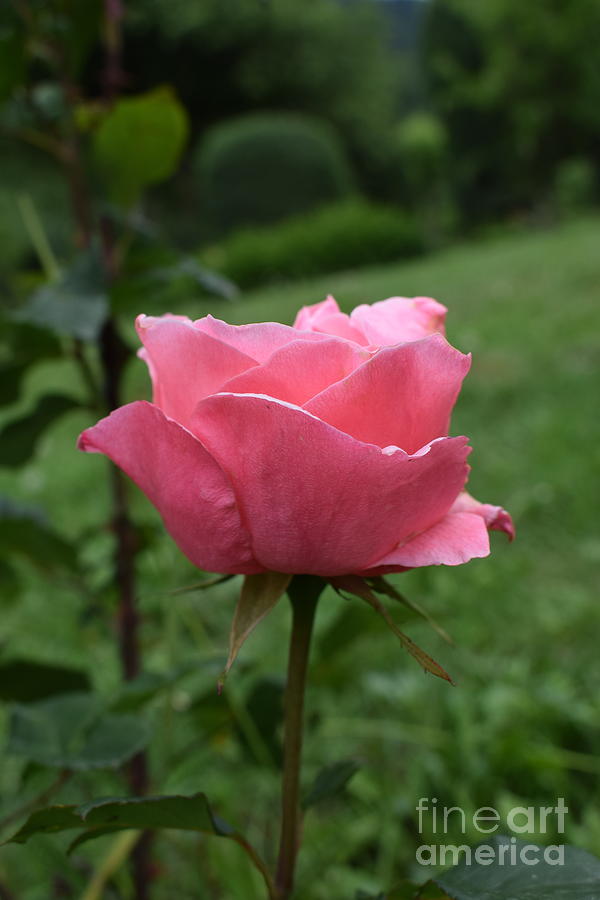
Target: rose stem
[(304, 592), (113, 357)]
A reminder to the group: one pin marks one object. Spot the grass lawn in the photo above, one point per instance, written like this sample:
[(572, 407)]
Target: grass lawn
[(521, 727)]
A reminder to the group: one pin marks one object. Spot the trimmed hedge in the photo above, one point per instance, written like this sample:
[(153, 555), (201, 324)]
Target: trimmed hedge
[(264, 167), (342, 236)]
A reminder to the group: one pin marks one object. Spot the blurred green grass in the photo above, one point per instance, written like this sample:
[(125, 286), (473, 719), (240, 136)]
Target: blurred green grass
[(523, 724)]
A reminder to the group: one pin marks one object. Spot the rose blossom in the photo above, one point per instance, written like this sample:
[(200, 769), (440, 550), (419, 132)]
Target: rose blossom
[(320, 448)]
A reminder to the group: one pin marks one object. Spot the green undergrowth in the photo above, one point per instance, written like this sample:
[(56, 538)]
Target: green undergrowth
[(521, 727)]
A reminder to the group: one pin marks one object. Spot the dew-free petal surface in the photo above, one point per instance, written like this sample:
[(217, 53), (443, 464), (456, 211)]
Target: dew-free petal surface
[(257, 341), (455, 539), (190, 490), (316, 500), (326, 317), (185, 363), (404, 395), (399, 319), (495, 517), (300, 370)]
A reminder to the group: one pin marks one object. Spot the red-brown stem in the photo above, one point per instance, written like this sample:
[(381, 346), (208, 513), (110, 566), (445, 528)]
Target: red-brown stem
[(80, 202), (304, 592), (113, 77), (113, 356)]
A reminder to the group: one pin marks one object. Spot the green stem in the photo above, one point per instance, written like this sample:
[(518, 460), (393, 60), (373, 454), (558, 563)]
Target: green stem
[(304, 592)]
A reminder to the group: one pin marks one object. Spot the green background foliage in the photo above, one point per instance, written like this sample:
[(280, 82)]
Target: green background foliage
[(263, 168), (341, 236), (518, 88), (520, 728), (467, 132)]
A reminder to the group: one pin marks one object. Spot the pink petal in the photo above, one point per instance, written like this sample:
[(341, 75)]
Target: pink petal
[(460, 536), (189, 489), (258, 341), (454, 540), (403, 396), (310, 315), (314, 499), (300, 370), (326, 317), (496, 518), (399, 319), (185, 363)]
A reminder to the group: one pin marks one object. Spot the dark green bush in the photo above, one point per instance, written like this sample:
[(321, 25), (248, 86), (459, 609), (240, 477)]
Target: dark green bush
[(422, 162), (423, 144), (262, 167), (342, 236), (574, 186)]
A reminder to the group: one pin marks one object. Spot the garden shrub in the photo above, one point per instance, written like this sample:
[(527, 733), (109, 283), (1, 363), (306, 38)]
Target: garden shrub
[(421, 157), (262, 167), (574, 186), (341, 236), (423, 142)]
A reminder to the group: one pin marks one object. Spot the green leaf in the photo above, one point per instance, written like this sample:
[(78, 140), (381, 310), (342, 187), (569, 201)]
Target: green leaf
[(50, 820), (91, 835), (354, 584), (188, 268), (384, 587), (76, 305), (12, 52), (25, 680), (577, 879), (72, 731), (18, 438), (140, 142), (24, 532), (20, 347), (259, 595), (115, 814), (103, 817), (330, 781), (155, 273), (429, 891), (137, 692), (184, 813), (405, 891)]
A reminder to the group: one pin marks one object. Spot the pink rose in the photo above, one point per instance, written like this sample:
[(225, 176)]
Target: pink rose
[(318, 449)]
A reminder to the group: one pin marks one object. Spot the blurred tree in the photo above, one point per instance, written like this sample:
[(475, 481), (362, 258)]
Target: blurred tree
[(517, 85), (226, 57)]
